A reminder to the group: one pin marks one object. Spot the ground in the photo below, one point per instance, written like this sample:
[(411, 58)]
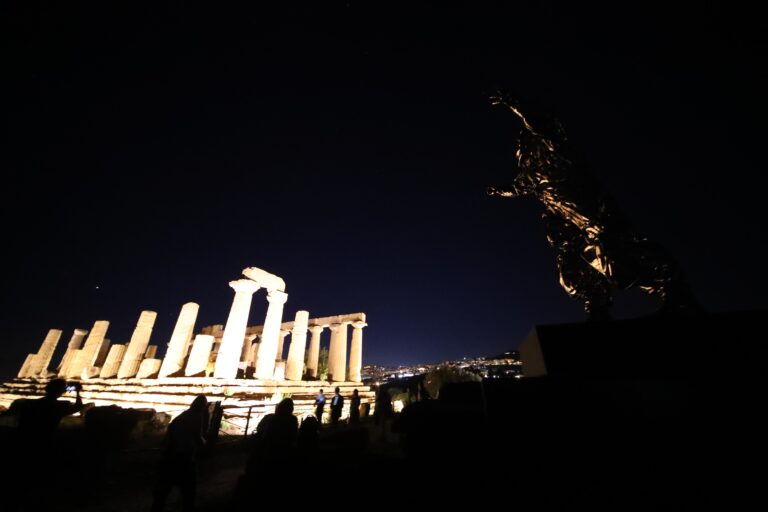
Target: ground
[(85, 476)]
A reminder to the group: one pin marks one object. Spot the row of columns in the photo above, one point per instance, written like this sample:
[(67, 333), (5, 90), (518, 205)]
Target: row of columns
[(337, 352), (137, 358), (266, 355), (125, 361), (98, 359)]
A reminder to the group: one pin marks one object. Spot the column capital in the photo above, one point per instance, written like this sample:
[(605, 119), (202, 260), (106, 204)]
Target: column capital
[(264, 279), (359, 325), (285, 332), (244, 286), (335, 327), (316, 328), (277, 297)]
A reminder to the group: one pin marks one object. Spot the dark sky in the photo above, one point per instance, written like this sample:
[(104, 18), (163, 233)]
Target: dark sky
[(149, 154)]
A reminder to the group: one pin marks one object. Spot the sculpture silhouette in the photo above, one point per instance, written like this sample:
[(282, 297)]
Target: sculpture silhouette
[(596, 248)]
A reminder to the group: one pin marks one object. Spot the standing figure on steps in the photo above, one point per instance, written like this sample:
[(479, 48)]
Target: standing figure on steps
[(596, 248)]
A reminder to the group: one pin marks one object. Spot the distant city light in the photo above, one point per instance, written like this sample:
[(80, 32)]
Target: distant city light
[(507, 365)]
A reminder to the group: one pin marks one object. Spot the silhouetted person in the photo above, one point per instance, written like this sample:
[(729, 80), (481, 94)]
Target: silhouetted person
[(308, 431), (383, 412), (278, 431), (319, 406), (40, 418), (337, 404), (183, 442), (383, 406), (35, 446), (354, 407), (273, 450)]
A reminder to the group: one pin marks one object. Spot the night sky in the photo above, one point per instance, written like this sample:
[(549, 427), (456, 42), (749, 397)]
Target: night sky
[(150, 154)]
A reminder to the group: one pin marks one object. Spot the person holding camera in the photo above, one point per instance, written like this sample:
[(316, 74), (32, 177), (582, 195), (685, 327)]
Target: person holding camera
[(41, 417), (36, 443)]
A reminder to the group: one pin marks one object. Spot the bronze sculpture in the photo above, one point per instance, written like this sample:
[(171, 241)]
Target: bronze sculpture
[(596, 248)]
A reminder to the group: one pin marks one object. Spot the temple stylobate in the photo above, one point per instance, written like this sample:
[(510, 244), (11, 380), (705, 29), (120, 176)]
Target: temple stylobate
[(259, 361)]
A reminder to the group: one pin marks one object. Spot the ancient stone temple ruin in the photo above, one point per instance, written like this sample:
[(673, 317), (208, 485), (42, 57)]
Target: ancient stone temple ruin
[(247, 368)]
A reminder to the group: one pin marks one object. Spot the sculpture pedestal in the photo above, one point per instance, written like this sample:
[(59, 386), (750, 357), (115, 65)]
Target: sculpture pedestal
[(711, 345), (684, 369), (647, 402)]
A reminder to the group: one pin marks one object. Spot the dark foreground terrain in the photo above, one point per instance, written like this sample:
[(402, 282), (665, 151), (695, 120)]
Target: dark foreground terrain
[(78, 472)]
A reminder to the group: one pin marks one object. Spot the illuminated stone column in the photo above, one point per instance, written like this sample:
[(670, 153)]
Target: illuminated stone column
[(24, 371), (333, 349), (295, 365), (279, 370), (76, 341), (337, 353), (151, 352), (112, 364), (265, 366), (314, 350), (103, 351), (137, 347), (356, 351), (43, 357), (90, 372), (180, 339), (198, 356), (149, 368), (68, 361), (74, 344), (86, 357), (45, 354), (234, 331), (281, 344)]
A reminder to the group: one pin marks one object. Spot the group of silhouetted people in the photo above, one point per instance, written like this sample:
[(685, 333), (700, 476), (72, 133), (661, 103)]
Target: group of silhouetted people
[(278, 442), (337, 405), (37, 421)]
